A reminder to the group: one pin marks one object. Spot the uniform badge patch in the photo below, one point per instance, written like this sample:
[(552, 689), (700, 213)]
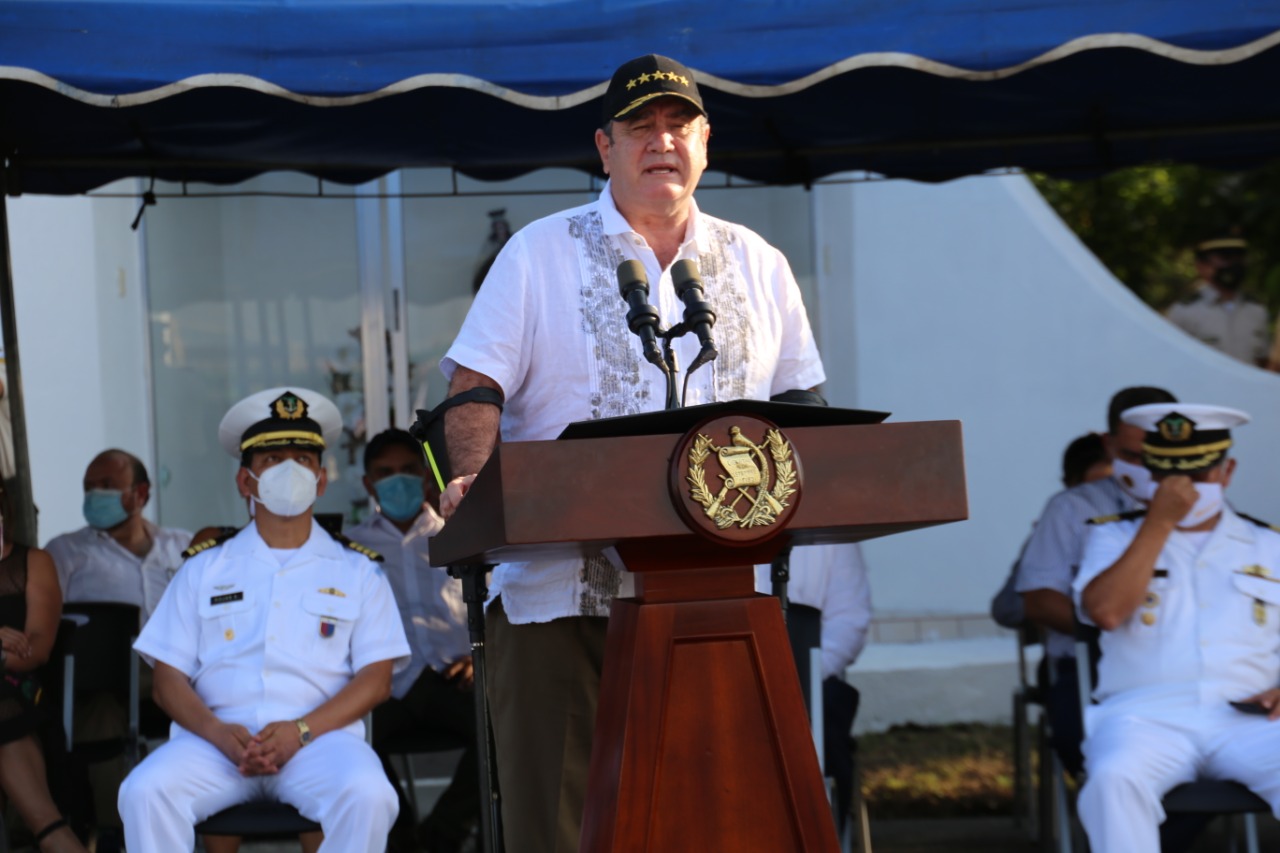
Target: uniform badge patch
[(327, 628)]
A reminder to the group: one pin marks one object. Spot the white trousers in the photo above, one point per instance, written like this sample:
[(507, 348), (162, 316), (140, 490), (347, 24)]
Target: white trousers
[(1135, 755), (335, 780)]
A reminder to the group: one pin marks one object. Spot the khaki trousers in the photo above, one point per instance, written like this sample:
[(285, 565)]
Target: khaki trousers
[(544, 686)]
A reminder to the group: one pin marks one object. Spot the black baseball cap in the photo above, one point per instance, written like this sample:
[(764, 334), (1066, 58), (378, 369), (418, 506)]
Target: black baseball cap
[(644, 78)]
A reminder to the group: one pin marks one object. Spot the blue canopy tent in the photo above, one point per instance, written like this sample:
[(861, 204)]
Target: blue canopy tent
[(217, 90)]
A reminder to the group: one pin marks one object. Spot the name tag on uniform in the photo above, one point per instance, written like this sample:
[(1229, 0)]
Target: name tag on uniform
[(227, 599)]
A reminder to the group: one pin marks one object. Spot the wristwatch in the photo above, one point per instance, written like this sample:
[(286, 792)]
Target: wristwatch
[(304, 731)]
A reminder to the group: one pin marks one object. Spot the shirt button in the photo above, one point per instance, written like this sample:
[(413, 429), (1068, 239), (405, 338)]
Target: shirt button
[(276, 603), (271, 639)]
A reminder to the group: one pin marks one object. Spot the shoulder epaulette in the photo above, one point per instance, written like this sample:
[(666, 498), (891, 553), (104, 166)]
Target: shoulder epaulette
[(224, 533), (357, 547), (1119, 516), (1259, 522)]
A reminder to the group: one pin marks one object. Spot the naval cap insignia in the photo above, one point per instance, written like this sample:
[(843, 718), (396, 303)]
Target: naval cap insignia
[(289, 407)]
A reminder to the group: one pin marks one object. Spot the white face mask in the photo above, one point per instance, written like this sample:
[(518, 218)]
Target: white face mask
[(1208, 504), (1134, 479), (287, 489)]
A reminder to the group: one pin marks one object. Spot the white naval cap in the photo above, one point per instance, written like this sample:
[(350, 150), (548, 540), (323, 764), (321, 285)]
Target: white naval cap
[(1184, 436), (276, 417)]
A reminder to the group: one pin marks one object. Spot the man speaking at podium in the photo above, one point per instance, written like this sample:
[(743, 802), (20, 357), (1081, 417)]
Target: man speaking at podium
[(549, 332)]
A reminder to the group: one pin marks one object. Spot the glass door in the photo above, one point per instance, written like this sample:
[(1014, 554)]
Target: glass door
[(248, 292)]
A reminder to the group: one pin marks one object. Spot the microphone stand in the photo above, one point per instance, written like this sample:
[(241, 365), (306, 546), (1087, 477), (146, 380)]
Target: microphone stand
[(779, 575), (474, 593), (673, 368)]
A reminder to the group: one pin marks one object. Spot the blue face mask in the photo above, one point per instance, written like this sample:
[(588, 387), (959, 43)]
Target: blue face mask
[(103, 508), (399, 496)]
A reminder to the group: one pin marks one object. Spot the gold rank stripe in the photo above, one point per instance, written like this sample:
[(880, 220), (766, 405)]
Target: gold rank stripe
[(1253, 574), (1198, 450), (282, 435), (200, 546), (361, 549)]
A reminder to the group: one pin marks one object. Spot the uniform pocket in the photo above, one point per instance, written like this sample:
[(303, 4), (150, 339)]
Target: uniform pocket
[(1263, 598), (331, 617), (224, 618)]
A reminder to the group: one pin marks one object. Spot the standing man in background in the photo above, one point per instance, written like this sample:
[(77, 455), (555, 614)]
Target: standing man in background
[(1218, 313), (548, 331)]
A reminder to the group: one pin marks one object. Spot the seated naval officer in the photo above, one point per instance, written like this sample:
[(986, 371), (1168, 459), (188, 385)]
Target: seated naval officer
[(269, 648), (1187, 594)]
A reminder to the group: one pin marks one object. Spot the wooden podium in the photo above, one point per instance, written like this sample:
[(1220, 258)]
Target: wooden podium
[(702, 742)]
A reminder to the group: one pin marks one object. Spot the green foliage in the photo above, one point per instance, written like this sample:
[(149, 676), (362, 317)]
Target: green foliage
[(1142, 223)]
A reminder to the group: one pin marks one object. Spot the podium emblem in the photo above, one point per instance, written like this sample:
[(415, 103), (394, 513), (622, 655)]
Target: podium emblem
[(752, 493)]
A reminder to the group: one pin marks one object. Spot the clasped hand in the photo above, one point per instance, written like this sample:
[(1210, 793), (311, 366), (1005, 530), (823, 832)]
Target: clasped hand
[(262, 754)]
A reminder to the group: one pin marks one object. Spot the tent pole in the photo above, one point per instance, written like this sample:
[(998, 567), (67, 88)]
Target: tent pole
[(21, 497)]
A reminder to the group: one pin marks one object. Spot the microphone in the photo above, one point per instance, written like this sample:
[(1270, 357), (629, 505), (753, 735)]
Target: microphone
[(643, 318), (699, 317)]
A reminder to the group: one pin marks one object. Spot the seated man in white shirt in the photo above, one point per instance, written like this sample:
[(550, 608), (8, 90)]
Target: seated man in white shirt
[(832, 579), (269, 649), (118, 556), (435, 692)]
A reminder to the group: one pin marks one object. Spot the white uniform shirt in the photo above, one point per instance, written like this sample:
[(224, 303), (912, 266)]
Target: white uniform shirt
[(832, 578), (430, 602), (550, 328), (1204, 640), (263, 642), (1053, 553), (1237, 327), (92, 566)]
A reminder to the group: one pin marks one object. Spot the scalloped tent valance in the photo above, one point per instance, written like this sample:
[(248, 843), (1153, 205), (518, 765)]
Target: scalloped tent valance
[(215, 90)]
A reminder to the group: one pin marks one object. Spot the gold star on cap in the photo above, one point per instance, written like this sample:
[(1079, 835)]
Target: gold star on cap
[(644, 78)]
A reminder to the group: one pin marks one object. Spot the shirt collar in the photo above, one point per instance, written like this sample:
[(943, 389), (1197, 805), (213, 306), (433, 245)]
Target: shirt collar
[(615, 223), (249, 540), (428, 523)]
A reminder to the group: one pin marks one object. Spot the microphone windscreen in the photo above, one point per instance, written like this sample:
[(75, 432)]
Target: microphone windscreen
[(631, 274), (684, 274)]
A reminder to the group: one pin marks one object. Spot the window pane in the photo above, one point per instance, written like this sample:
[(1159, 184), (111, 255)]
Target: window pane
[(248, 293)]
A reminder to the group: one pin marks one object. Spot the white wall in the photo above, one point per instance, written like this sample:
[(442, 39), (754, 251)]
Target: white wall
[(971, 300), (82, 341)]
